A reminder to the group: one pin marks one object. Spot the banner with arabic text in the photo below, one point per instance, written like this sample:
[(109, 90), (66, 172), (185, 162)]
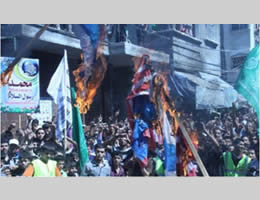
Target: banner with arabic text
[(22, 93)]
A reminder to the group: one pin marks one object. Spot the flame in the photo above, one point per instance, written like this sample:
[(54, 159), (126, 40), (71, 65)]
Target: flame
[(6, 75), (160, 89), (184, 152), (87, 86), (87, 89)]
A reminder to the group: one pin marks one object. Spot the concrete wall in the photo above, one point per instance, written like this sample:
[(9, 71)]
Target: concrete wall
[(241, 42), (200, 53), (191, 54)]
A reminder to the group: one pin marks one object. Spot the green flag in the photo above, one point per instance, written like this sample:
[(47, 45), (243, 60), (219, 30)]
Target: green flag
[(78, 133), (248, 80)]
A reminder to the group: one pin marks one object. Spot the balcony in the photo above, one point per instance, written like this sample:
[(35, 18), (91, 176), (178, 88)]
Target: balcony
[(121, 48)]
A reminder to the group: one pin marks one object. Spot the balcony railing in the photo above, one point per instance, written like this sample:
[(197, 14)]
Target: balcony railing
[(60, 28)]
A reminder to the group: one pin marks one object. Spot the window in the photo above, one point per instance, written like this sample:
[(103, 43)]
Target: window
[(238, 61), (185, 28), (236, 27), (211, 31)]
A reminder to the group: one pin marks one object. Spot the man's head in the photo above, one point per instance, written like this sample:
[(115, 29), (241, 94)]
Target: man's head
[(252, 154), (47, 128), (35, 144), (35, 124), (239, 145), (12, 126), (117, 159), (228, 142), (40, 133), (123, 139), (250, 127), (46, 152), (255, 140), (13, 146), (246, 141), (4, 145), (60, 161), (218, 134), (100, 152), (25, 159)]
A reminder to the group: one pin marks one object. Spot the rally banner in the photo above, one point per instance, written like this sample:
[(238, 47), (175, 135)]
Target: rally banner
[(45, 113), (22, 93)]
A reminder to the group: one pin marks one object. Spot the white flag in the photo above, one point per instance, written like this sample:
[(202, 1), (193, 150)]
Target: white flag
[(59, 90), (169, 148)]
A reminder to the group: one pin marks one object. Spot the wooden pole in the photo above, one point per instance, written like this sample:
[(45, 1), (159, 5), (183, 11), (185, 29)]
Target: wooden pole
[(25, 49), (186, 136), (194, 151)]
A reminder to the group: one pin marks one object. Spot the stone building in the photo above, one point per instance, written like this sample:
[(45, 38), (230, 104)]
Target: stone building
[(188, 50), (237, 41)]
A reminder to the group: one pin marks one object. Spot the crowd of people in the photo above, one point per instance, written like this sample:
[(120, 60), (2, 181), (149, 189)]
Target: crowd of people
[(227, 141), (232, 130)]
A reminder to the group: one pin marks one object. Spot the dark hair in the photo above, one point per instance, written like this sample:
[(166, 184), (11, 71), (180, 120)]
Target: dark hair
[(60, 158), (116, 153), (237, 140), (45, 126), (47, 147), (35, 121), (99, 146), (36, 140), (25, 155), (227, 137), (39, 129)]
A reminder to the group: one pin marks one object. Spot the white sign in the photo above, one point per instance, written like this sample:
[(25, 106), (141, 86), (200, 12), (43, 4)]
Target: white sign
[(45, 113)]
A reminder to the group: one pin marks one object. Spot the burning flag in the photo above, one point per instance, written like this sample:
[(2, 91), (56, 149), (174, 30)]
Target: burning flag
[(141, 111), (140, 87), (91, 72), (78, 134), (160, 97)]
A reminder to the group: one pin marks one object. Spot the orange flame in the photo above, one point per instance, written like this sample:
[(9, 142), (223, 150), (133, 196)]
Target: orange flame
[(87, 89), (6, 75), (85, 95), (187, 155), (160, 89)]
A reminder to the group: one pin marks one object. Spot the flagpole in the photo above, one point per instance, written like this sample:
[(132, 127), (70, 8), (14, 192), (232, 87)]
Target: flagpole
[(25, 49), (258, 86), (192, 148), (258, 94)]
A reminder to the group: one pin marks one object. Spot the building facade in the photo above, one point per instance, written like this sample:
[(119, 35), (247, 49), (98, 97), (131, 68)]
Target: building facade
[(237, 41), (189, 49)]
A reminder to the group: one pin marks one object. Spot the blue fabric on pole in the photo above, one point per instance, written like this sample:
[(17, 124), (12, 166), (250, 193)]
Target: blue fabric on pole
[(140, 142), (93, 31), (143, 106)]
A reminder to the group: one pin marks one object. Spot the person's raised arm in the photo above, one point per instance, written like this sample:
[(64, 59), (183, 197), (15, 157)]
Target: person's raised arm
[(213, 139)]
